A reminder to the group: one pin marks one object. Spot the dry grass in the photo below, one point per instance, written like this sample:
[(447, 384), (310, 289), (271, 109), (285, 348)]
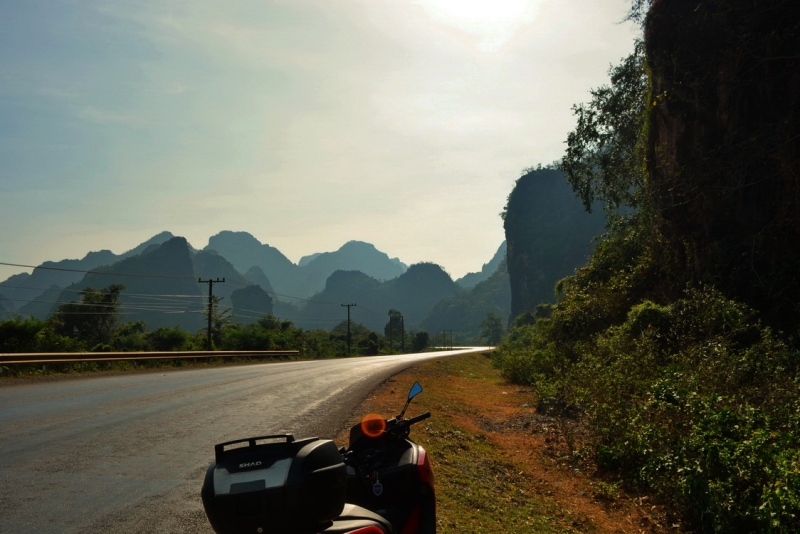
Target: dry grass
[(500, 466)]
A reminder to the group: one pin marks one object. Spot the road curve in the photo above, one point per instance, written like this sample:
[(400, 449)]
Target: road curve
[(127, 453)]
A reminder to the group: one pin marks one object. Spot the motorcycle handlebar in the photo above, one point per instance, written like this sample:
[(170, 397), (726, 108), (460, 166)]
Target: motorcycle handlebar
[(417, 419)]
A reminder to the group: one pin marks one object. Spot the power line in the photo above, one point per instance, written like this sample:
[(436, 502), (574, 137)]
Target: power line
[(93, 271), (153, 296)]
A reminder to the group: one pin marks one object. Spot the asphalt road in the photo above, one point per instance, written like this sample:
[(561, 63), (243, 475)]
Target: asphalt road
[(127, 453)]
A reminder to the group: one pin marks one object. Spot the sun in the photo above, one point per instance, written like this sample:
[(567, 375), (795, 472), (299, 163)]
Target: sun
[(462, 12), (493, 22)]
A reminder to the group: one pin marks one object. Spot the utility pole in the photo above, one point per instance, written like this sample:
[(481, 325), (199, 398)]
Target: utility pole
[(348, 326), (210, 283)]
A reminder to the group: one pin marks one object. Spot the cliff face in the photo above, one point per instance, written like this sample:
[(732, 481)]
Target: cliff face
[(724, 140), (548, 234)]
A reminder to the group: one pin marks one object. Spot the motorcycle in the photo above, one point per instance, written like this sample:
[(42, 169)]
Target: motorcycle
[(382, 483)]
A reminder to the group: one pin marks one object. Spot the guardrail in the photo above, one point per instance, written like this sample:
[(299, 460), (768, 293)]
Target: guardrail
[(67, 357)]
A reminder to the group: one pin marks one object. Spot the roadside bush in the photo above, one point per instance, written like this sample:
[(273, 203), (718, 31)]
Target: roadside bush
[(694, 400), (20, 335), (166, 338)]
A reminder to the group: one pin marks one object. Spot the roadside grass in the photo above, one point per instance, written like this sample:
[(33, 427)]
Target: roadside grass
[(498, 467)]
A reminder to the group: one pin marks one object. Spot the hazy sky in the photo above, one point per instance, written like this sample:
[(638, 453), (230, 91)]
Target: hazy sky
[(307, 123)]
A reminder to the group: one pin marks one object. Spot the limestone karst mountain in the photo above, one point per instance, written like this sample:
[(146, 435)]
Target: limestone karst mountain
[(160, 286), (463, 313), (21, 289), (549, 235), (308, 276), (470, 280), (412, 293)]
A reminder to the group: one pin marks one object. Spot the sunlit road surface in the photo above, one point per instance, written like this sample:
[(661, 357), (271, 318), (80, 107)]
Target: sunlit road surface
[(128, 453)]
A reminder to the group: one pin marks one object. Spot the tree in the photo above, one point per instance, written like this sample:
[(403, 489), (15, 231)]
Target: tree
[(356, 329), (166, 338), (369, 345), (220, 321), (271, 322), (94, 319), (394, 328), (493, 329), (605, 157), (20, 335), (420, 341)]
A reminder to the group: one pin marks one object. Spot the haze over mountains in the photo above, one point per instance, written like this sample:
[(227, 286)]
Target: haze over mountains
[(549, 235), (161, 283)]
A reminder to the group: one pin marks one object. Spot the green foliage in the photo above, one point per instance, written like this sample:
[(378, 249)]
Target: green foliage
[(688, 391), (394, 331), (35, 335), (694, 400), (129, 337), (271, 322), (464, 312), (168, 339), (605, 153), (420, 341), (20, 335), (267, 333), (493, 329), (93, 319), (221, 321), (369, 345)]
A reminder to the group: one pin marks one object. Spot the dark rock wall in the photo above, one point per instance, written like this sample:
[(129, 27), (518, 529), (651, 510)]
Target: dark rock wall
[(724, 137)]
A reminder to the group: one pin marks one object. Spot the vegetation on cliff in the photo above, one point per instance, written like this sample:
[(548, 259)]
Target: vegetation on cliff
[(678, 340)]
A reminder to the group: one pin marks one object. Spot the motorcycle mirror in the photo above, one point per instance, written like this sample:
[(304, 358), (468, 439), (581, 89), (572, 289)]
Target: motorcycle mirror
[(415, 390)]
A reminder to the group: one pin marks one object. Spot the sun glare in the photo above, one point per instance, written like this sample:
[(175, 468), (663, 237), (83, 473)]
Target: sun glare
[(477, 11), (494, 23)]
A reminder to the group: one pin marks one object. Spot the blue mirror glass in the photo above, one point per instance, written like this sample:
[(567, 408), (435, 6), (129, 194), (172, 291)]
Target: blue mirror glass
[(416, 389)]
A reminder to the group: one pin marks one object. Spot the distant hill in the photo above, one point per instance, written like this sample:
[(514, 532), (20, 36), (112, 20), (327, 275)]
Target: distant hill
[(464, 312), (42, 306), (419, 288), (470, 280), (352, 256), (171, 297), (6, 309), (160, 277), (249, 303), (161, 286), (157, 239), (256, 276), (209, 264), (245, 251), (324, 309), (23, 288), (305, 260), (412, 293), (308, 277)]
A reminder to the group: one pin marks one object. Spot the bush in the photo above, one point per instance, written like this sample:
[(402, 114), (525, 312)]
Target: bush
[(694, 400)]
